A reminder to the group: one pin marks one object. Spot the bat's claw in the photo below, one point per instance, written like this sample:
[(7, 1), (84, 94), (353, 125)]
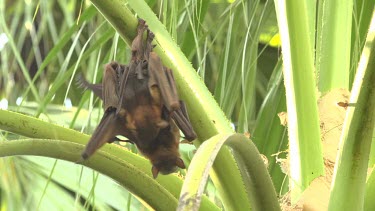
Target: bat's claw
[(155, 172), (151, 36), (141, 21), (81, 82)]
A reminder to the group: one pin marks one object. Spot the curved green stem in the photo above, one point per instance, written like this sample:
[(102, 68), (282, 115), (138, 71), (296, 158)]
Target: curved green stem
[(259, 184), (127, 168), (124, 172), (257, 181)]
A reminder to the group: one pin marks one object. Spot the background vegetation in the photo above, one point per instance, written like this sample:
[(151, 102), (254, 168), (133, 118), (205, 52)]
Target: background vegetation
[(234, 48)]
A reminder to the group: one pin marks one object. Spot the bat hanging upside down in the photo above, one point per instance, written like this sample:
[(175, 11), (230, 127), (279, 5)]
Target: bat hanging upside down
[(141, 103)]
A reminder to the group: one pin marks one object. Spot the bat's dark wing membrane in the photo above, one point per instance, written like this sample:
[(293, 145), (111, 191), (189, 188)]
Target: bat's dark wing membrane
[(109, 127), (112, 123), (163, 78), (180, 116), (126, 92), (96, 88), (110, 88), (176, 107)]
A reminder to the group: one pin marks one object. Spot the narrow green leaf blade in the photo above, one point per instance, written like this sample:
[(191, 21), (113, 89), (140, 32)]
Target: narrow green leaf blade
[(305, 151), (333, 46)]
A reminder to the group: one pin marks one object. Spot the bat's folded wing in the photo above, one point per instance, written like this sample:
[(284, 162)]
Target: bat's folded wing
[(96, 88), (181, 118), (163, 78), (109, 127)]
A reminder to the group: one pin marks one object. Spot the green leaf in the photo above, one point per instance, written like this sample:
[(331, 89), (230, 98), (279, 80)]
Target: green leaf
[(370, 193), (269, 135), (333, 44), (305, 151)]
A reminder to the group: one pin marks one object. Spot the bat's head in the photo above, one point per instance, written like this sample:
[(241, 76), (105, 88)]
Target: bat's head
[(166, 165)]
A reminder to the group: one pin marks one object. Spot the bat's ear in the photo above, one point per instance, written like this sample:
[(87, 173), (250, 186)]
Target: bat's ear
[(180, 163), (155, 172)]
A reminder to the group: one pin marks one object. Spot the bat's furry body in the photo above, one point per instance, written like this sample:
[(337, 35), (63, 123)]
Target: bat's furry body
[(141, 103)]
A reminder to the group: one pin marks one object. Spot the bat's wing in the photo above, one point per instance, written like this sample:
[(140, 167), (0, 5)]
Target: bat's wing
[(113, 72), (96, 88), (181, 118), (126, 92), (163, 78), (114, 121), (110, 86), (109, 127)]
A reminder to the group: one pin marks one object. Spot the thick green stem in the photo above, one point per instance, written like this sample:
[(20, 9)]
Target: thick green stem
[(305, 151), (127, 168), (257, 181), (348, 187), (128, 174)]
